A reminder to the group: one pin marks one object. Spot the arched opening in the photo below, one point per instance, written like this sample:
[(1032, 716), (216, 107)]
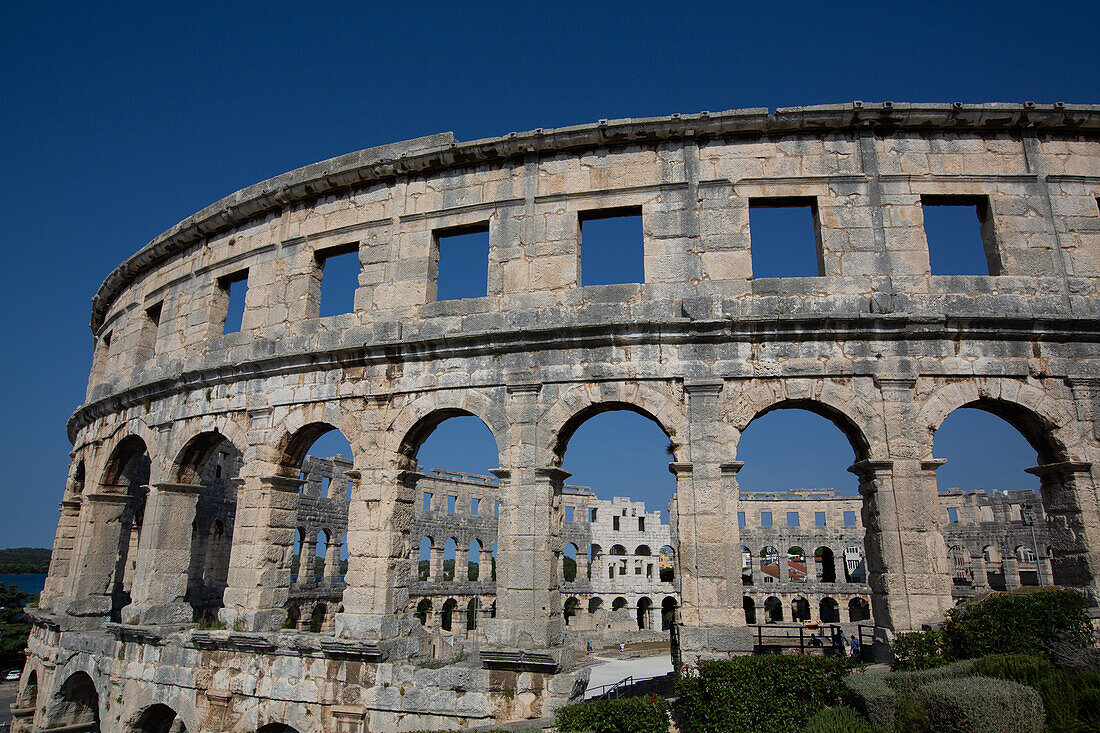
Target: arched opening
[(28, 696), (317, 618), (212, 461), (493, 561), (293, 615), (76, 703), (473, 560), (424, 559), (825, 565), (773, 610), (800, 610), (796, 564), (749, 605), (994, 568), (618, 603), (319, 457), (159, 719), (617, 550), (595, 553), (959, 559), (746, 565), (668, 613), (667, 561), (471, 615), (570, 609), (858, 610), (769, 564), (127, 473), (642, 550), (569, 562), (450, 548), (645, 605), (855, 564), (1006, 459), (595, 604), (829, 611), (424, 611), (446, 616)]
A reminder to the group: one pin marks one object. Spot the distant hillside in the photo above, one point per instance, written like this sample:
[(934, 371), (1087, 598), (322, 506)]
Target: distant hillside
[(20, 560)]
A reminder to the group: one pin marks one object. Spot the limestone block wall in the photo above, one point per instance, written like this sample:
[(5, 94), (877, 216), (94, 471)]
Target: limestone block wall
[(879, 342)]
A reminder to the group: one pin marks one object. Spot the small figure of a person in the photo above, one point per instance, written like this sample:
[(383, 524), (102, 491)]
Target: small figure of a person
[(589, 647), (857, 648), (622, 646), (840, 642)]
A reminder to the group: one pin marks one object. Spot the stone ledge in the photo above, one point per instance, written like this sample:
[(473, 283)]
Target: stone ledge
[(526, 660)]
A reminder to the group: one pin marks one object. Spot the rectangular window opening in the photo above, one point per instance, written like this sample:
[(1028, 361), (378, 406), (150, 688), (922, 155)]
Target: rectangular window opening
[(569, 514), (496, 508), (740, 519), (641, 524), (955, 245), (819, 519), (234, 287), (339, 268), (462, 262), (474, 505), (765, 519), (785, 237), (792, 519), (427, 506), (611, 246), (615, 523), (849, 519), (451, 501), (149, 329), (591, 515)]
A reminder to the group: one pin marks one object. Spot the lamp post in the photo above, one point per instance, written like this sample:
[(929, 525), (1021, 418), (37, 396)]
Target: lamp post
[(1029, 519)]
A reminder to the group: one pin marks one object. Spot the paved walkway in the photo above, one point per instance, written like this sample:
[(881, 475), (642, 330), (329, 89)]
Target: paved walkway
[(610, 669)]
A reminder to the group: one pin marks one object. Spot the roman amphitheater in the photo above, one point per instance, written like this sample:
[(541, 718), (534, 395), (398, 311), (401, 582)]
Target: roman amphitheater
[(174, 601)]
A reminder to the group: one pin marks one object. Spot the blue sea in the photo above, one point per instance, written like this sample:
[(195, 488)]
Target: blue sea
[(30, 583)]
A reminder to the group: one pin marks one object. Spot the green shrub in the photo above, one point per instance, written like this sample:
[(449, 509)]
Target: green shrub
[(981, 705), (758, 693), (910, 715), (870, 694), (841, 719), (1016, 623), (918, 650), (1071, 698), (628, 715)]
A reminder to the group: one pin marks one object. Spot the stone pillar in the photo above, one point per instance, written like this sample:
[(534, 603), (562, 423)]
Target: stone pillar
[(1010, 567), (784, 568), (94, 570), (258, 583), (705, 533), (64, 549), (376, 595), (1073, 523), (164, 557), (435, 572), (977, 566), (306, 560), (529, 612), (332, 561), (485, 564)]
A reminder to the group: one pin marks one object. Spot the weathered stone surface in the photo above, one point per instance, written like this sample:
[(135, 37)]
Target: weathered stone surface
[(880, 343)]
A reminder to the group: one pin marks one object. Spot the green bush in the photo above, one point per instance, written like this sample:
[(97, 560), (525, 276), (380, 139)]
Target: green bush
[(1071, 698), (841, 719), (918, 650), (758, 693), (1017, 623), (889, 700), (870, 694), (981, 705), (628, 715)]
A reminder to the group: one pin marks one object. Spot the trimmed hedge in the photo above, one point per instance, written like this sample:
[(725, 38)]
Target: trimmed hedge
[(758, 693), (1017, 623), (873, 697), (841, 719), (1071, 698), (981, 705), (627, 715), (890, 700)]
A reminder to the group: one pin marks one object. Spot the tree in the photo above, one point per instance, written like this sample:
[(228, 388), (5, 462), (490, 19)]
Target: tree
[(14, 628)]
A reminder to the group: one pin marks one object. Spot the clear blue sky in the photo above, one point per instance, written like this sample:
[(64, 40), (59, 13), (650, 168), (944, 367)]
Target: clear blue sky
[(120, 120)]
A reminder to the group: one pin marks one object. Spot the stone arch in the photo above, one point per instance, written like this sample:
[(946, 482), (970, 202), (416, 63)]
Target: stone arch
[(749, 607), (570, 608), (76, 702), (829, 610), (643, 551), (583, 402), (125, 452), (595, 603), (858, 610), (569, 559), (292, 447), (77, 478), (157, 718), (419, 418), (645, 605), (28, 694), (668, 612), (825, 564), (196, 450), (800, 609), (1043, 422), (773, 610), (424, 611), (853, 416), (446, 615), (618, 603)]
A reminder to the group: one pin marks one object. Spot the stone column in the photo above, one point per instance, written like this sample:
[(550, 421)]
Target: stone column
[(485, 564), (1073, 523), (529, 612), (705, 533), (258, 583), (435, 572), (977, 566), (332, 561), (94, 570), (306, 554), (376, 595), (1010, 567), (784, 568), (64, 549), (164, 557)]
